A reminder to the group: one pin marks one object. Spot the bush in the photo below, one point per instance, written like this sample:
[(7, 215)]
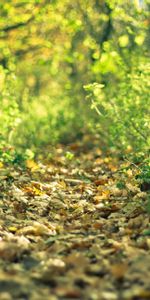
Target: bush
[(124, 111), (9, 114)]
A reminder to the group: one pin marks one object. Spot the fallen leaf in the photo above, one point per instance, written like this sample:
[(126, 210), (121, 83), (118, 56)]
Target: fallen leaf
[(37, 229), (118, 270), (32, 165)]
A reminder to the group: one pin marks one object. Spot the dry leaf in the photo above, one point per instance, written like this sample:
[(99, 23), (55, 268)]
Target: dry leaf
[(37, 229), (32, 165), (119, 270)]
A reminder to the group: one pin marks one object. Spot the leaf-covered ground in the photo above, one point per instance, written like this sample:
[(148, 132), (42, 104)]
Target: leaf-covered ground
[(73, 225)]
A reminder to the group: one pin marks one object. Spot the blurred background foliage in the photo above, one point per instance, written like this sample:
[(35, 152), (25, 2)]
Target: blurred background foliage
[(70, 68)]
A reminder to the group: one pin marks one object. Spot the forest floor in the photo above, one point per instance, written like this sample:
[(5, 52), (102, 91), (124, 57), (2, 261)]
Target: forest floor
[(73, 225)]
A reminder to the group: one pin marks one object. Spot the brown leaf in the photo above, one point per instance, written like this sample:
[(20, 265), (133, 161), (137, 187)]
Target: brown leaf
[(119, 270), (101, 181)]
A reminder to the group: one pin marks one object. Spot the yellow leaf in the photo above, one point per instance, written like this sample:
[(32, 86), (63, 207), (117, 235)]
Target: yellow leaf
[(12, 229), (37, 229), (103, 195), (32, 165), (62, 184), (32, 191), (1, 165)]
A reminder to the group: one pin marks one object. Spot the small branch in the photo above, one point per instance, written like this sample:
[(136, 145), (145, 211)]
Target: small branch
[(16, 26), (133, 164), (70, 180), (138, 131)]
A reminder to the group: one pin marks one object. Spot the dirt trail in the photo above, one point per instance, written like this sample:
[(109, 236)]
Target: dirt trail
[(73, 226)]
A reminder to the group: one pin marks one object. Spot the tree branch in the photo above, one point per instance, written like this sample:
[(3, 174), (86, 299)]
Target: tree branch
[(106, 30), (16, 26)]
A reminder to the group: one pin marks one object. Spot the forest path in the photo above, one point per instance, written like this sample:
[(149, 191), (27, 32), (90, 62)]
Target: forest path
[(73, 226)]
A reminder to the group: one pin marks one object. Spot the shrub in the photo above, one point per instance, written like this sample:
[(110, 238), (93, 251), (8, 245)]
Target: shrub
[(124, 110)]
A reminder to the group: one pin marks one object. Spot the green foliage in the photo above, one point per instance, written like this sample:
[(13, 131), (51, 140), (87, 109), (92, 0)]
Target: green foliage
[(143, 179), (124, 111), (120, 185), (50, 51), (145, 174), (148, 206), (9, 114), (69, 155)]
